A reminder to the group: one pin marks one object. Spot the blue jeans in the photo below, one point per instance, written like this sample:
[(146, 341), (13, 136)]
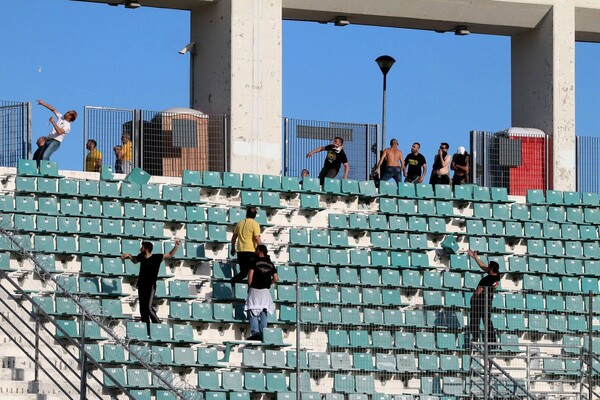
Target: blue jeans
[(255, 328), (392, 172), (49, 148)]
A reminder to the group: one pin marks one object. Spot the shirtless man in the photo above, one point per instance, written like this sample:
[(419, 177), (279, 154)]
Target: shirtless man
[(394, 161)]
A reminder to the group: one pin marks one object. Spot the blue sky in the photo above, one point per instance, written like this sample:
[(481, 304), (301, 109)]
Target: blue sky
[(74, 54)]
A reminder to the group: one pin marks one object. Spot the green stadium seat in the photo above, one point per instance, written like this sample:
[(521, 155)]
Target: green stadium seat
[(481, 194), (45, 185), (557, 266), (114, 376), (590, 284), (310, 185), (388, 205), (535, 196), (463, 193), (556, 214), (520, 212), (515, 322), (537, 323), (482, 211), (363, 361), (381, 259), (406, 363), (407, 190), (428, 362), (385, 362), (557, 323), (310, 202), (575, 323), (426, 207), (591, 216), (408, 206), (25, 184), (378, 222), (449, 363), (154, 212), (388, 188), (27, 168), (574, 215)]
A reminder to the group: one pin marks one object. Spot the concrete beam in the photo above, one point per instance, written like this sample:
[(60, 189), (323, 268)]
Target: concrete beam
[(237, 71), (543, 88)]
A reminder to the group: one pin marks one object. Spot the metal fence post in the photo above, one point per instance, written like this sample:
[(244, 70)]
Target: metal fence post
[(590, 348), (286, 144), (486, 354), (36, 372), (82, 358), (297, 337), (226, 149), (368, 150)]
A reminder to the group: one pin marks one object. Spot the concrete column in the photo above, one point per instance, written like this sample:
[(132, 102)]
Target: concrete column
[(237, 71), (543, 87)]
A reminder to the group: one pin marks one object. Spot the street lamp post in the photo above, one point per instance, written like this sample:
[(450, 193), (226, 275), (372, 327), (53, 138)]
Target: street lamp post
[(385, 64)]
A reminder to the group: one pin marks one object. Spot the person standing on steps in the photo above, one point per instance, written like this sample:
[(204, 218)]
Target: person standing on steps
[(146, 284), (246, 236)]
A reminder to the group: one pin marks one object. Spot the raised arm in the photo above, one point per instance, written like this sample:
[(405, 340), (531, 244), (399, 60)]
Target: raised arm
[(173, 250), (317, 150), (48, 106), (475, 257), (233, 240), (127, 256)]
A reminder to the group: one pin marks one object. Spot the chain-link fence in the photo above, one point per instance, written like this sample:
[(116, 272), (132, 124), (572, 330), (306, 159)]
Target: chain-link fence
[(415, 332), (361, 145), (15, 132), (515, 159), (162, 143)]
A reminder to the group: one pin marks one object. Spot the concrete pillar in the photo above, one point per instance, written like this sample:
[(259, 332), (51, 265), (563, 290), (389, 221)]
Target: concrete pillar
[(237, 71), (543, 87)]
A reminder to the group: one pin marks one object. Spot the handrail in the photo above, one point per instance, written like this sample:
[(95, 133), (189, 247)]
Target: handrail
[(516, 385), (184, 391), (6, 277)]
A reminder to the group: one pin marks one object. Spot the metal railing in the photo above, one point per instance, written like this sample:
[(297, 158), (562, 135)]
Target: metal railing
[(361, 145), (15, 132), (163, 143), (90, 312), (516, 161)]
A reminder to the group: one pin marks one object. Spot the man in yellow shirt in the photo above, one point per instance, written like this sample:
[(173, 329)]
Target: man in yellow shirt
[(126, 153), (247, 236), (93, 161)]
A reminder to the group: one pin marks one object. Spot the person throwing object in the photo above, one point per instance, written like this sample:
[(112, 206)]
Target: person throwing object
[(481, 301), (336, 157), (60, 128), (146, 284)]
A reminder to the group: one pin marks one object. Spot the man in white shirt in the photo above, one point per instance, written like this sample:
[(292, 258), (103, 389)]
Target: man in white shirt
[(60, 128)]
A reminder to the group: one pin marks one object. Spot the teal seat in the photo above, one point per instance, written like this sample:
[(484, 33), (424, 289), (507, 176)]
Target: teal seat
[(535, 196), (334, 186), (310, 202), (537, 323), (381, 259), (388, 205), (359, 257), (481, 194), (538, 213), (309, 184), (27, 168), (574, 215), (515, 322), (111, 247), (449, 363), (289, 184), (571, 284), (408, 207), (463, 193), (556, 214), (191, 178), (482, 211), (591, 216), (520, 212), (589, 284), (428, 362), (557, 266), (114, 376), (44, 185), (575, 323)]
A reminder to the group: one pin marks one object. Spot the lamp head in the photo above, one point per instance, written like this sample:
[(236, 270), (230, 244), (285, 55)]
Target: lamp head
[(461, 31), (385, 63), (341, 21)]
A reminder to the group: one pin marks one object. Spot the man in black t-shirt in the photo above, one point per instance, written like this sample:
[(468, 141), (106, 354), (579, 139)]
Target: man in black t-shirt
[(460, 166), (481, 301), (415, 165), (336, 157), (146, 284), (260, 278)]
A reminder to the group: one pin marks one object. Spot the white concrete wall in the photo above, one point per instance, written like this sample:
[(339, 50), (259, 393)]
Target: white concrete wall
[(237, 71)]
